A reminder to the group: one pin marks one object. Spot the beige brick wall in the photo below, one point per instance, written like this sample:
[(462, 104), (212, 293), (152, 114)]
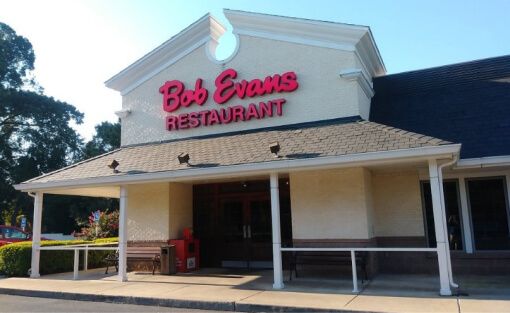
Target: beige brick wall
[(181, 208), (159, 211), (322, 94), (147, 212), (331, 204), (397, 204)]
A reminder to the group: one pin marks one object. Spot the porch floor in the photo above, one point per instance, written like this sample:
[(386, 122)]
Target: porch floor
[(240, 290)]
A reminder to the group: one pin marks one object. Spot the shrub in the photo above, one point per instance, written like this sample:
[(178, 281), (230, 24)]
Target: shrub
[(15, 259), (107, 226)]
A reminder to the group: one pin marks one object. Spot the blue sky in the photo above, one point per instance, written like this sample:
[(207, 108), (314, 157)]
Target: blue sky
[(81, 43)]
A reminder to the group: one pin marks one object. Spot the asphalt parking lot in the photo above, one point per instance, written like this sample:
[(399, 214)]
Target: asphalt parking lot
[(31, 304)]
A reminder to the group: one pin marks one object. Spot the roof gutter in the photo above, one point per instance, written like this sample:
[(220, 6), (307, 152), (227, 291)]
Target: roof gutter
[(483, 162), (350, 160)]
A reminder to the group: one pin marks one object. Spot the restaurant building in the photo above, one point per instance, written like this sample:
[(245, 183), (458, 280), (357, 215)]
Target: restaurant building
[(299, 140)]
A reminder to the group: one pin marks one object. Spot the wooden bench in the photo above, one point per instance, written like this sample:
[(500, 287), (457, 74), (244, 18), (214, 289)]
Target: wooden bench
[(135, 253), (327, 258)]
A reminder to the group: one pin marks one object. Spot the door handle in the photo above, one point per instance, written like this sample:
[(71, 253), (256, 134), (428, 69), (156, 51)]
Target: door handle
[(249, 231), (244, 231)]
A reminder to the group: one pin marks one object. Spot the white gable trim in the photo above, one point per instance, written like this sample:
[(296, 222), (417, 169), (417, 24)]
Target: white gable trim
[(295, 39), (163, 66), (206, 29), (331, 35), (358, 76)]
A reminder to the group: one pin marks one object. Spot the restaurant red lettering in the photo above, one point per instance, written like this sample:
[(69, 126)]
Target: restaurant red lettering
[(175, 95), (227, 87), (227, 115)]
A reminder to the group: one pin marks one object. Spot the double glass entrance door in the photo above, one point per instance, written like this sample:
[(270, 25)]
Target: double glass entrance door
[(247, 232)]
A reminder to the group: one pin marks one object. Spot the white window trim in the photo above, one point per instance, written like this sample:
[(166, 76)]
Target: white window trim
[(467, 173)]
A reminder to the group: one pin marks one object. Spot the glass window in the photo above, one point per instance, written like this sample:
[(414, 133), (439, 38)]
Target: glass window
[(489, 213), (10, 233), (451, 199)]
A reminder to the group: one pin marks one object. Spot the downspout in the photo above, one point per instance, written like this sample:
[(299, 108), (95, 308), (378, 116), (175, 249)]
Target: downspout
[(443, 209)]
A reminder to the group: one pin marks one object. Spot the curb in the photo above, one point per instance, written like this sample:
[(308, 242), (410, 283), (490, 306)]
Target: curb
[(174, 303), (247, 307)]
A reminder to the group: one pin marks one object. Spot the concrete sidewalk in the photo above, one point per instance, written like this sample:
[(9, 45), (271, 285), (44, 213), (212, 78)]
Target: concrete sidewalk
[(218, 289)]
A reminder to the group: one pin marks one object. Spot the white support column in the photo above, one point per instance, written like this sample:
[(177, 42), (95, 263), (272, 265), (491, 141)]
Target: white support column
[(277, 241), (354, 272), (36, 234), (441, 239), (76, 265), (122, 276), (466, 220), (86, 258)]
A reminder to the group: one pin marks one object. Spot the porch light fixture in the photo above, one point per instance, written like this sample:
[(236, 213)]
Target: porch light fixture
[(275, 148), (183, 158), (114, 166)]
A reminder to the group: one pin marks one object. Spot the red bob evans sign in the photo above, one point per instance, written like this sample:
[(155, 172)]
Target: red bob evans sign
[(175, 96)]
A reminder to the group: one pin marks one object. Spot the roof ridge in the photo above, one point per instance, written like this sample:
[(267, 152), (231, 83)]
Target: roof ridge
[(72, 165), (451, 65)]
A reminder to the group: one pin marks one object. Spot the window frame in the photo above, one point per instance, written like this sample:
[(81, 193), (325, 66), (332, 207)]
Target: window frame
[(459, 206), (505, 192)]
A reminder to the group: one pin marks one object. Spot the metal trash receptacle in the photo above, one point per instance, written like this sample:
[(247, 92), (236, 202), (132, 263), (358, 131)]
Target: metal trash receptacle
[(167, 258)]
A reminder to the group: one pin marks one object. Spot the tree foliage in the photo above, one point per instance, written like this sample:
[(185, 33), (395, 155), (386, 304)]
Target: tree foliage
[(37, 137), (16, 59), (106, 139)]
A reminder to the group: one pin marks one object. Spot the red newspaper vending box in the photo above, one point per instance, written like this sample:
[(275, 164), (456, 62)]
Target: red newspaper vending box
[(186, 253)]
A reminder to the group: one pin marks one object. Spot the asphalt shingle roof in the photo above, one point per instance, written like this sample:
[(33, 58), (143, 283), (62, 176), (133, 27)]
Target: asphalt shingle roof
[(311, 141), (467, 103)]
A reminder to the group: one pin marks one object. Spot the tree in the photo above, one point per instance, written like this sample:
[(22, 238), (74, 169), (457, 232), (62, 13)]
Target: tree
[(36, 136), (106, 139), (16, 59)]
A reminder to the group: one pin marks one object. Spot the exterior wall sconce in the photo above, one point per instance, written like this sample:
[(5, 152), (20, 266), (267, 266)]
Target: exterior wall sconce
[(114, 166), (275, 148), (183, 158), (123, 113)]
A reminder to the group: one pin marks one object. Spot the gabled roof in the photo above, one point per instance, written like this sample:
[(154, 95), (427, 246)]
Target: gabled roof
[(208, 29), (300, 144), (204, 30), (332, 35)]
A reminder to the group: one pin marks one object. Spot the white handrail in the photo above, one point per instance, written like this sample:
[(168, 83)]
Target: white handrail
[(77, 248), (378, 249), (81, 247), (88, 244), (353, 255)]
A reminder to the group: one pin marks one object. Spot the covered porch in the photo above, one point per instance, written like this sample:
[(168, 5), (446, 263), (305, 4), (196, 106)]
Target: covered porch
[(354, 187), (145, 215)]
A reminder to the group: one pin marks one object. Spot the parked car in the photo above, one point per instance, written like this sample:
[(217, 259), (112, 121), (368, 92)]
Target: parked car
[(11, 234)]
